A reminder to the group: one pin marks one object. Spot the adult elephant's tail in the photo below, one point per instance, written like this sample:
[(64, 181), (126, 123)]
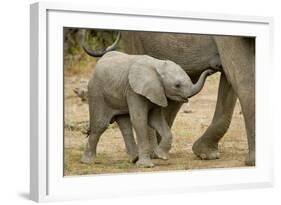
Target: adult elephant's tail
[(100, 53)]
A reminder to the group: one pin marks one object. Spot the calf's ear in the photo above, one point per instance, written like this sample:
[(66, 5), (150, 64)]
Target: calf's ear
[(145, 81)]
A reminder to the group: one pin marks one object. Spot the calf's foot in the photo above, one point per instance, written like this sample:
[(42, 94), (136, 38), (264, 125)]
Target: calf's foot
[(144, 162), (161, 154)]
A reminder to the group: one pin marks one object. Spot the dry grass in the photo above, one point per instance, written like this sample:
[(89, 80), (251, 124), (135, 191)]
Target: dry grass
[(83, 69), (190, 123)]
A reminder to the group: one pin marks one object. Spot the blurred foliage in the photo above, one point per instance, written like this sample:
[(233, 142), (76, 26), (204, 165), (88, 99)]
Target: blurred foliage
[(74, 55)]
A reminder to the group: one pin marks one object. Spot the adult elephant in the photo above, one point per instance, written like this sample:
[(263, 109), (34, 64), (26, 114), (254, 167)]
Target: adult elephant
[(234, 57)]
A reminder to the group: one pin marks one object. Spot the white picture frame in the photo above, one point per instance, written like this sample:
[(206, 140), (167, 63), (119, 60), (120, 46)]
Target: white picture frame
[(47, 182)]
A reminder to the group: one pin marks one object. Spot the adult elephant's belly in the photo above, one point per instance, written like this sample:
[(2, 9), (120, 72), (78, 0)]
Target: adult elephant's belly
[(194, 53)]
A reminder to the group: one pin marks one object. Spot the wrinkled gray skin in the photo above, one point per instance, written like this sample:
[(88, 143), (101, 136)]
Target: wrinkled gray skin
[(233, 56), (137, 85)]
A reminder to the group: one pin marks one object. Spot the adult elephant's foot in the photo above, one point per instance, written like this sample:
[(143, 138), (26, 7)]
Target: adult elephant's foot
[(206, 150), (144, 162), (251, 159), (161, 154), (88, 158)]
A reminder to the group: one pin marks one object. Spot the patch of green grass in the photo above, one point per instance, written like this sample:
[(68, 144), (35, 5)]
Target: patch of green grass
[(73, 166), (66, 166), (103, 163), (123, 165), (81, 147)]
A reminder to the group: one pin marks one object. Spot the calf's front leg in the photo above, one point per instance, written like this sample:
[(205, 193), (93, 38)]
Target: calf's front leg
[(158, 121), (138, 110), (126, 129)]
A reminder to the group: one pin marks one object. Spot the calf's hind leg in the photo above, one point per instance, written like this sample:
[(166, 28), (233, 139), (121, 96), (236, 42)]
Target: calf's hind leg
[(100, 117)]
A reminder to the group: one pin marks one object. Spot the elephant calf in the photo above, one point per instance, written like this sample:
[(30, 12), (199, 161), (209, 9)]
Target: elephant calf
[(135, 88)]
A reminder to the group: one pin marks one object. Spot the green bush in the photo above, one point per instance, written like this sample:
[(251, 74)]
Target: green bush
[(74, 55)]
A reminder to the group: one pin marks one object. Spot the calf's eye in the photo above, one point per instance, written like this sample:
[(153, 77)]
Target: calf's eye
[(177, 85)]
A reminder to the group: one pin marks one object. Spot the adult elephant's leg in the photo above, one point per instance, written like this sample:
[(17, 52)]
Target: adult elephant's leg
[(125, 126), (206, 147), (247, 101), (238, 60)]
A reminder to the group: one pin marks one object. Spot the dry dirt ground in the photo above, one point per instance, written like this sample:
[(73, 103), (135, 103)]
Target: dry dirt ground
[(190, 123)]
